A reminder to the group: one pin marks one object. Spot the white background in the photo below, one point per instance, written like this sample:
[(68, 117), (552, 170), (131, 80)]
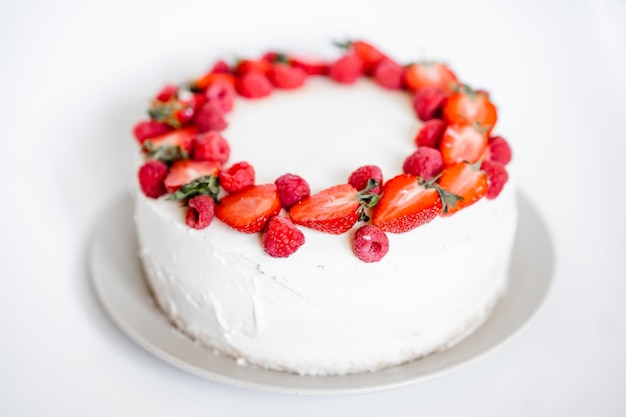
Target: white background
[(75, 76)]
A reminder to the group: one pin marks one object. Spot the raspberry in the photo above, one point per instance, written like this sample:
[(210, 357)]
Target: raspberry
[(149, 129), (220, 67), (389, 74), (200, 212), (499, 150), (152, 177), (347, 69), (282, 238), (167, 93), (211, 146), (428, 102), (496, 177), (286, 77), (238, 177), (222, 94), (424, 162), (291, 189), (254, 84), (359, 178), (430, 133), (370, 244), (210, 117)]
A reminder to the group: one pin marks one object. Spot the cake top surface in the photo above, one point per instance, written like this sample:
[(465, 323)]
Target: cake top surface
[(364, 142)]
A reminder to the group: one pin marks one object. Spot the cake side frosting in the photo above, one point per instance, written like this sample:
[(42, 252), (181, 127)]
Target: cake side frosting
[(322, 310)]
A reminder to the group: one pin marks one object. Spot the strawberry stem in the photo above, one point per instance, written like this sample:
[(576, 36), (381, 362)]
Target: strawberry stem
[(164, 153), (448, 199), (206, 185)]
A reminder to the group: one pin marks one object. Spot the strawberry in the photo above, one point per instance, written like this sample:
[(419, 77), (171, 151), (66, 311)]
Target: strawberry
[(462, 142), (207, 80), (249, 210), (245, 66), (347, 69), (369, 54), (333, 210), (428, 103), (471, 107), (286, 77), (389, 74), (174, 112), (220, 67), (167, 93), (254, 84), (185, 171), (311, 67), (499, 150), (465, 181), (406, 203), (281, 238), (430, 133), (170, 146), (148, 129), (430, 75)]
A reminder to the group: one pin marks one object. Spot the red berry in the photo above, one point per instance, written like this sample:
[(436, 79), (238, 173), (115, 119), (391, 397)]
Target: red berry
[(200, 212), (210, 117), (220, 67), (425, 162), (152, 178), (184, 171), (428, 103), (430, 133), (222, 94), (148, 129), (238, 177), (282, 238), (311, 67), (291, 189), (370, 244), (389, 74), (211, 146), (167, 93), (359, 178), (254, 84), (347, 69), (499, 150), (287, 77), (496, 177)]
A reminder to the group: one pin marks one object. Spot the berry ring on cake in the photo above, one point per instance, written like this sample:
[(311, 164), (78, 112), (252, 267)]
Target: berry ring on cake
[(325, 217)]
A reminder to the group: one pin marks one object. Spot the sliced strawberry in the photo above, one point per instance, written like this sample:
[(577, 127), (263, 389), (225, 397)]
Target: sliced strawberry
[(462, 142), (430, 75), (286, 77), (311, 67), (185, 171), (334, 210), (406, 204), (220, 67), (469, 106), (245, 66), (170, 146), (211, 78), (248, 211), (463, 180), (148, 129), (369, 54), (168, 92)]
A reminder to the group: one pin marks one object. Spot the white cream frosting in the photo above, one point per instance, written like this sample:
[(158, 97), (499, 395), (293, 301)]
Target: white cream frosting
[(322, 310)]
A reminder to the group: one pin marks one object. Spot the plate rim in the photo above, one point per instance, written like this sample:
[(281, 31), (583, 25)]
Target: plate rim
[(121, 211)]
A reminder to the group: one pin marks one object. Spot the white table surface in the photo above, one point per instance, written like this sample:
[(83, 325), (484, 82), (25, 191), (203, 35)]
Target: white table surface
[(74, 76)]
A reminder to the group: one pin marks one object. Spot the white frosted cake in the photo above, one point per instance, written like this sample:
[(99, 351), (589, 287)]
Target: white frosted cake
[(320, 309)]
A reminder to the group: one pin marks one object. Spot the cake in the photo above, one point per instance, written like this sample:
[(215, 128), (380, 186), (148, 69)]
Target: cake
[(244, 181)]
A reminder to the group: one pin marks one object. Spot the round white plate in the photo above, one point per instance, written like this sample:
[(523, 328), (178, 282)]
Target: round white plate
[(119, 281)]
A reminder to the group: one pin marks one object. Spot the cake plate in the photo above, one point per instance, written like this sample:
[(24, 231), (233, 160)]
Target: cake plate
[(119, 281)]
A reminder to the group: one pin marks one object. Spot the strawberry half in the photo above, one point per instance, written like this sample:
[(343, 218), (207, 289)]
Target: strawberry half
[(170, 146), (185, 171), (472, 107), (248, 211), (462, 143), (369, 54), (334, 210), (406, 204), (430, 75), (466, 181)]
